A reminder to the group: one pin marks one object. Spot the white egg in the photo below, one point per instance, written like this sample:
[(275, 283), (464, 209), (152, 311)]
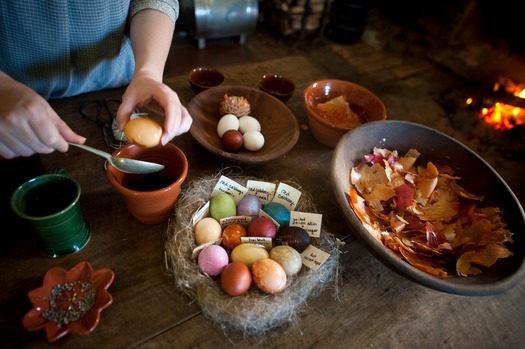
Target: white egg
[(227, 122), (253, 140), (249, 123)]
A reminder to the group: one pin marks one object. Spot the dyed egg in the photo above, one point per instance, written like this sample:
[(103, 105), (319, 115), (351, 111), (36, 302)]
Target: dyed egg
[(295, 237), (249, 205), (253, 140), (248, 254), (232, 234), (288, 258), (232, 140), (236, 279), (269, 276), (212, 260), (206, 230), (249, 123), (278, 212), (262, 227), (143, 131), (227, 122), (222, 205)]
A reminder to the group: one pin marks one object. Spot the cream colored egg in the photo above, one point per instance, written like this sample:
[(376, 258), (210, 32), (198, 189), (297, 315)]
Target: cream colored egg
[(249, 123), (288, 258), (227, 122), (206, 230), (253, 140)]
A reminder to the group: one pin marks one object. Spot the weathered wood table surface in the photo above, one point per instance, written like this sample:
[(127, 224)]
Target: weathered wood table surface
[(370, 307)]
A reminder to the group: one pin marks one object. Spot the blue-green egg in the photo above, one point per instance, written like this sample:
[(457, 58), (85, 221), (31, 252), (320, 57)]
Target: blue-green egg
[(278, 212)]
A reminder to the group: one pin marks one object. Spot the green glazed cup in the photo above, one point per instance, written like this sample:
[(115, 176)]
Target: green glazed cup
[(50, 204)]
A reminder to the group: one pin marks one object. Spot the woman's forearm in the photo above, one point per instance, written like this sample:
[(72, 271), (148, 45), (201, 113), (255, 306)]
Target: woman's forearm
[(151, 33)]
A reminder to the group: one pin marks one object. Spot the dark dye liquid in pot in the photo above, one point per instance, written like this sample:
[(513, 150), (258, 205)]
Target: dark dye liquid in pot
[(149, 182)]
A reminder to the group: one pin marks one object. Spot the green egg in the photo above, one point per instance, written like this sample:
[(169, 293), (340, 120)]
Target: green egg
[(222, 206), (278, 212)]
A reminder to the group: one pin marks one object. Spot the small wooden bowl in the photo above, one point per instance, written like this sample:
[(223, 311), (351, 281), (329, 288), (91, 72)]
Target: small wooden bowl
[(278, 86), (278, 124), (203, 78)]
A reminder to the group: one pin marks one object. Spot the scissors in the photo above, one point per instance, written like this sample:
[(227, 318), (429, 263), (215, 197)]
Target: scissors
[(92, 110)]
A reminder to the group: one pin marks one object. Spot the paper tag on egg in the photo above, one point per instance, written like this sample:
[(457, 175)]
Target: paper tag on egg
[(265, 191), (229, 186), (287, 195), (311, 222), (199, 248), (204, 211), (313, 257), (265, 242), (242, 220)]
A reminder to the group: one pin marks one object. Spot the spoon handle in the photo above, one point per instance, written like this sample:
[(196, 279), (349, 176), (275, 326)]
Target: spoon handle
[(92, 150)]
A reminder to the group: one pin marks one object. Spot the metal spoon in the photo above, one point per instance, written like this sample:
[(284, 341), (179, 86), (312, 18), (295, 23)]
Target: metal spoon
[(124, 164)]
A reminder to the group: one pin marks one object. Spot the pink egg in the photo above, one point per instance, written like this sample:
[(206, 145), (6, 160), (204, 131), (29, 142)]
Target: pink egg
[(212, 260)]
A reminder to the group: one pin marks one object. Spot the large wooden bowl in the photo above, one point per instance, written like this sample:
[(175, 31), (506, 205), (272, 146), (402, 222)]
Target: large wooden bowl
[(278, 124), (478, 177)]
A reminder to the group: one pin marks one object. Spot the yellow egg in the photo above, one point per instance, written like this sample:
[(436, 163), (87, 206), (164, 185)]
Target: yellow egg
[(248, 253), (143, 131)]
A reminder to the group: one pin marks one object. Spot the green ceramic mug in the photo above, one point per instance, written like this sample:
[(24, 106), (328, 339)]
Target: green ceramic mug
[(50, 204)]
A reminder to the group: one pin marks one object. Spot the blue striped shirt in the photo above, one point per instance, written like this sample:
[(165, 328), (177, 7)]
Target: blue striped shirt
[(64, 48)]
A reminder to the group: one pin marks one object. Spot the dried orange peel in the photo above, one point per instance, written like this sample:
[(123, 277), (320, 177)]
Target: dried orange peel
[(425, 217)]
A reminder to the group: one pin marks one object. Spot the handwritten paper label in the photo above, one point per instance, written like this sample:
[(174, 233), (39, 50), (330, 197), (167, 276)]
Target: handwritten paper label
[(242, 220), (313, 257), (204, 211), (265, 191), (311, 222), (229, 186), (265, 242), (287, 195)]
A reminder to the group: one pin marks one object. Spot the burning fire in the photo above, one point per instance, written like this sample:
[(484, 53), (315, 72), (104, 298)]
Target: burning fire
[(502, 116)]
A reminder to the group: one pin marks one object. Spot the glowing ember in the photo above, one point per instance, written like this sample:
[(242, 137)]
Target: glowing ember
[(503, 116)]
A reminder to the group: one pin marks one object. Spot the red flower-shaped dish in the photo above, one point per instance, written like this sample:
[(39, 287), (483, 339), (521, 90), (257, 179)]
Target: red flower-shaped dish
[(69, 301)]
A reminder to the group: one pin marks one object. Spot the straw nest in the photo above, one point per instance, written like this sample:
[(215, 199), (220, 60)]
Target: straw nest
[(254, 312)]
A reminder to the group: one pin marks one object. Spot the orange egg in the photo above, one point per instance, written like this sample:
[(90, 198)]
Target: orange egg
[(232, 234), (269, 276), (143, 131), (236, 279)]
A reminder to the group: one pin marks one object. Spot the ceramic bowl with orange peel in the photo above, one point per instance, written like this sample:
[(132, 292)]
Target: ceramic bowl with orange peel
[(335, 107)]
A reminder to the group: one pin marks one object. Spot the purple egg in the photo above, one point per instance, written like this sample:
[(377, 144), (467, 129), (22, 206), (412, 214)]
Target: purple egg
[(249, 205)]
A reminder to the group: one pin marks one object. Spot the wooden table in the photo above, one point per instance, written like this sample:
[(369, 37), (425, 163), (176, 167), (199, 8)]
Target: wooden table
[(370, 307)]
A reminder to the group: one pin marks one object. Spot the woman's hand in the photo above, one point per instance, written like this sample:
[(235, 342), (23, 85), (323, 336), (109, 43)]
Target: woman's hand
[(28, 124), (145, 91)]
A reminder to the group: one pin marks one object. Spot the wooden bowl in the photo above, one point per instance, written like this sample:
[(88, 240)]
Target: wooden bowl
[(278, 86), (478, 177), (278, 124), (360, 100), (203, 78)]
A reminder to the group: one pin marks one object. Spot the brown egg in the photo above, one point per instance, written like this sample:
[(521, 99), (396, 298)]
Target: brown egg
[(295, 237), (236, 279), (232, 140), (269, 276)]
